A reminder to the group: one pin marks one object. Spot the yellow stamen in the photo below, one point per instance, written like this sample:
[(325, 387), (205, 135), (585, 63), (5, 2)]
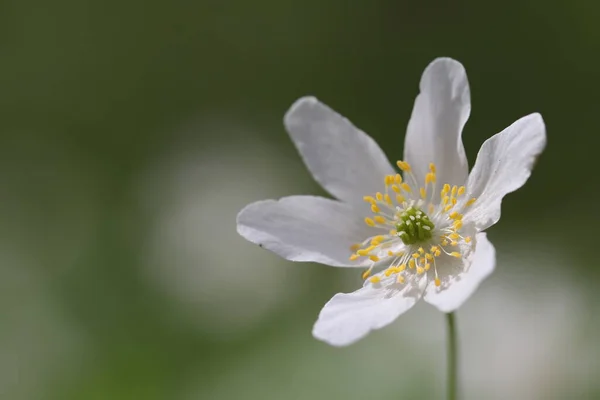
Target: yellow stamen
[(411, 263), (400, 199), (395, 188), (377, 239), (423, 193), (388, 199), (353, 257), (470, 202), (438, 282), (379, 196), (375, 208), (420, 270), (374, 258), (432, 167), (390, 253), (366, 274), (369, 222), (454, 189), (445, 200), (379, 219), (468, 239), (455, 215), (458, 224), (455, 254), (415, 255), (406, 187), (401, 267), (461, 190), (375, 279), (400, 279), (398, 179), (404, 166), (369, 199), (445, 189), (427, 267)]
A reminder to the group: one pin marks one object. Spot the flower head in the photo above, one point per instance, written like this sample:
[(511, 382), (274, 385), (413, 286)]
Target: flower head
[(418, 231)]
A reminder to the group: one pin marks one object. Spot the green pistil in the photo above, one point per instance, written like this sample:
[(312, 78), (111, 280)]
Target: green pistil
[(414, 226)]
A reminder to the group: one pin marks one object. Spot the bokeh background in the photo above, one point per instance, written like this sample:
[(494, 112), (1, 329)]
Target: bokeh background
[(132, 132)]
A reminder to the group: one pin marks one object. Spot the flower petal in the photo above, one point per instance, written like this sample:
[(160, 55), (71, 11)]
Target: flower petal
[(343, 159), (503, 165), (304, 228), (458, 284), (348, 317), (439, 115)]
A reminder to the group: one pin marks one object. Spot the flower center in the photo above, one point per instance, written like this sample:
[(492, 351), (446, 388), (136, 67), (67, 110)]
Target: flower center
[(414, 226), (411, 240)]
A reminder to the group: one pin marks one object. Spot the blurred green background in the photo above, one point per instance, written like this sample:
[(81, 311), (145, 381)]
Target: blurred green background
[(131, 134)]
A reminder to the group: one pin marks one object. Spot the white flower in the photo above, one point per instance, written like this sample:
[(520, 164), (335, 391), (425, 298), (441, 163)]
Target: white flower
[(423, 231)]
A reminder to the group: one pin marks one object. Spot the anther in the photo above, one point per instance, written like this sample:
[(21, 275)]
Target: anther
[(461, 190), (438, 282), (432, 167), (470, 202), (455, 254), (404, 166), (406, 187), (375, 208), (379, 196), (353, 257), (369, 222), (398, 179), (379, 219), (375, 279)]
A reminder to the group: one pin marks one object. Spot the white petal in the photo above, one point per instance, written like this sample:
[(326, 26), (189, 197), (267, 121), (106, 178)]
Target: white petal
[(343, 159), (349, 317), (434, 132), (458, 284), (503, 165), (304, 228)]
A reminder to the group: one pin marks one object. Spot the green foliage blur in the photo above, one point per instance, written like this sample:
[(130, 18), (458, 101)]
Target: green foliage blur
[(131, 134)]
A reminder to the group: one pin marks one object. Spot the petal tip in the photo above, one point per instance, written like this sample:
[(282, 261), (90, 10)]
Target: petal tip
[(305, 101)]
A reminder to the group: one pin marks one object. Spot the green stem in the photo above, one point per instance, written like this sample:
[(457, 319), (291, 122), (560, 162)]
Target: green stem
[(452, 358)]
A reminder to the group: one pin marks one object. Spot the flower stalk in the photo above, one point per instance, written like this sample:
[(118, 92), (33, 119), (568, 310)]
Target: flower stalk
[(452, 358)]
